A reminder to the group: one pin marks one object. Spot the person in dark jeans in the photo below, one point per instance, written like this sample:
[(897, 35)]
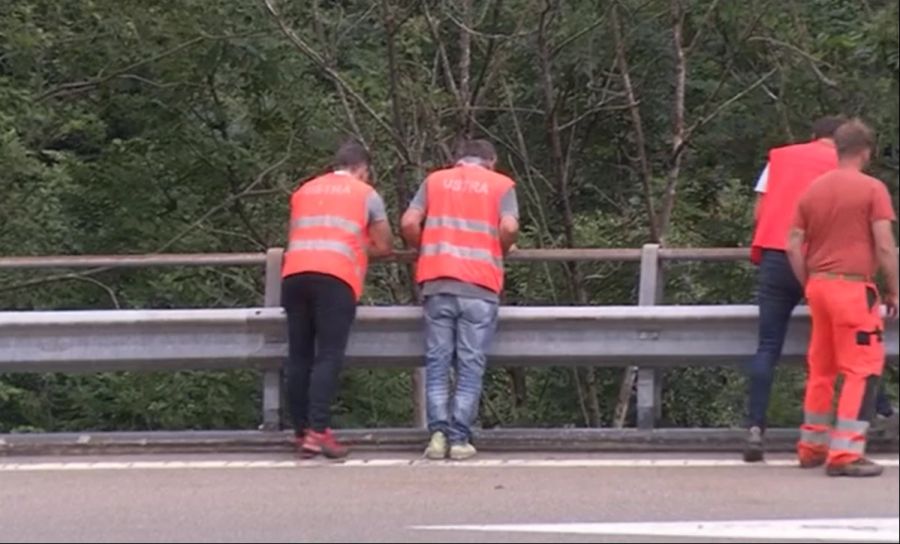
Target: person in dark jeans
[(778, 294), (337, 222), (320, 311)]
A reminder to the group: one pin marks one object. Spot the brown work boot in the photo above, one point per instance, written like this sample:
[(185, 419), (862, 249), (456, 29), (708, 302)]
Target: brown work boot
[(861, 468), (813, 462)]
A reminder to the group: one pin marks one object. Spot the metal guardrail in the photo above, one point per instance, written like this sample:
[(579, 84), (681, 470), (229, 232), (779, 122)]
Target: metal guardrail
[(386, 337), (158, 340), (390, 336), (250, 259)]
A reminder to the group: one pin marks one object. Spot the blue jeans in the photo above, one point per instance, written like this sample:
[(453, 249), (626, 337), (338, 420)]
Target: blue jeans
[(779, 292), (458, 333)]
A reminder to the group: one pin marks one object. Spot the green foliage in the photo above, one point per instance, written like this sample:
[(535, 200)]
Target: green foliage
[(104, 402), (129, 126)]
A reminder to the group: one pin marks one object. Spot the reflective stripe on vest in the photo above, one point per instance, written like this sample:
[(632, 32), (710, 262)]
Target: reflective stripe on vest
[(331, 221), (322, 245), (327, 245), (461, 252), (467, 225)]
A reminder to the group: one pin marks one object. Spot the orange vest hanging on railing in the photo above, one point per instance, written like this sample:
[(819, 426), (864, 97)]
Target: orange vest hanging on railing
[(328, 232), (791, 171), (461, 240)]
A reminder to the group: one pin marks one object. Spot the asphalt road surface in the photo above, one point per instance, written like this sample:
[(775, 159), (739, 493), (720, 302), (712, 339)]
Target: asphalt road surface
[(379, 498)]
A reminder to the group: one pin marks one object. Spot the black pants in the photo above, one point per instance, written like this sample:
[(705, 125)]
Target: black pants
[(320, 311)]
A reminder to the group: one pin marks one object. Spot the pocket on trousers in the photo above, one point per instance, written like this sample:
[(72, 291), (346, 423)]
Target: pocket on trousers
[(871, 297)]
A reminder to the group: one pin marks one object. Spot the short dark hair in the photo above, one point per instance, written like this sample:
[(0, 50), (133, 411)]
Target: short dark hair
[(853, 137), (480, 149), (824, 127), (351, 154)]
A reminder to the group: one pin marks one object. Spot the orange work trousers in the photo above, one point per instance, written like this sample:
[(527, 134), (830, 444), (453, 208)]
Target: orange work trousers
[(848, 340)]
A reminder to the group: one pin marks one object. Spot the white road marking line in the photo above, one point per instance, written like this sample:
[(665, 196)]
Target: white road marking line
[(845, 530), (383, 463)]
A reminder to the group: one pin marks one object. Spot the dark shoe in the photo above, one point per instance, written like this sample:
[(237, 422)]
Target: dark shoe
[(886, 425), (754, 449), (813, 462), (323, 444), (861, 468)]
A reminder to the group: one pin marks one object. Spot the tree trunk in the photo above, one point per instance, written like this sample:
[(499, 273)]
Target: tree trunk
[(558, 159)]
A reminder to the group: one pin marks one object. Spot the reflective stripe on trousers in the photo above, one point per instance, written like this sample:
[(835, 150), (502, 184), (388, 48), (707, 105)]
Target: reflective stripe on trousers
[(814, 438), (811, 418), (815, 434), (848, 445), (849, 436), (852, 426)]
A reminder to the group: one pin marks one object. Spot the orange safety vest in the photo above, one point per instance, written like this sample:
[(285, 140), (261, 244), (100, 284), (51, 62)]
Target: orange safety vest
[(329, 234), (461, 240), (792, 169)]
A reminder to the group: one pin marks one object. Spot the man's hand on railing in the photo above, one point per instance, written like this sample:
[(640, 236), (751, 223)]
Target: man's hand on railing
[(399, 255)]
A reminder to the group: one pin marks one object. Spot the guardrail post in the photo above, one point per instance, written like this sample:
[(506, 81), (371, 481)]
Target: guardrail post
[(649, 405), (271, 379)]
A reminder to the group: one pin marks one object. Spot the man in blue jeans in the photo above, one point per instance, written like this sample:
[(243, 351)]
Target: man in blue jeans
[(463, 220)]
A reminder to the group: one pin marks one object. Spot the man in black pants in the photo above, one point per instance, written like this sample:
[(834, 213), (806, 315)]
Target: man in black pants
[(337, 222)]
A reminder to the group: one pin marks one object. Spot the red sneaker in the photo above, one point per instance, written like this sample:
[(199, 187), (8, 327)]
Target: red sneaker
[(299, 439), (324, 444)]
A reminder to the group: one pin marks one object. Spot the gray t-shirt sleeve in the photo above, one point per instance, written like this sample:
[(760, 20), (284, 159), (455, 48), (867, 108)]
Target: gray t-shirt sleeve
[(375, 209), (420, 201), (509, 204)]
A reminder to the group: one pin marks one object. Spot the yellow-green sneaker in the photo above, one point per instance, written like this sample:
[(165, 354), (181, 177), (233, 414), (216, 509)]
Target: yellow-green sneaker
[(461, 452), (437, 448)]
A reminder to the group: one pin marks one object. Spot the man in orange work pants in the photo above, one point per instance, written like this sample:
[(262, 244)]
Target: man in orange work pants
[(842, 232)]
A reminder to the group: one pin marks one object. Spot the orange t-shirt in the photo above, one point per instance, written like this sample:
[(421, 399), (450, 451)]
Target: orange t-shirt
[(837, 213)]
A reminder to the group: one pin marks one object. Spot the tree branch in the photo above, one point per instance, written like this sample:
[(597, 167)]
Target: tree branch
[(700, 123), (811, 60), (317, 59), (445, 59), (637, 123), (465, 65), (707, 18), (678, 132), (77, 87), (558, 48)]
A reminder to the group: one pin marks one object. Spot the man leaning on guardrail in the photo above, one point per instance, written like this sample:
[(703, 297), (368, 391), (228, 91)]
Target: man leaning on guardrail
[(337, 221), (842, 234), (463, 220)]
